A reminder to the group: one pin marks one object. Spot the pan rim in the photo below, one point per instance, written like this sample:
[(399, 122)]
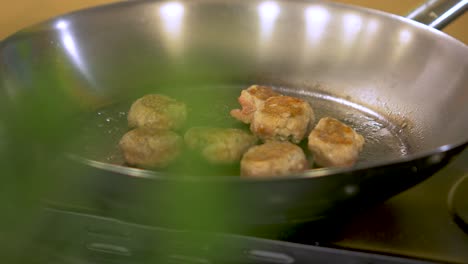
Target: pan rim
[(122, 3)]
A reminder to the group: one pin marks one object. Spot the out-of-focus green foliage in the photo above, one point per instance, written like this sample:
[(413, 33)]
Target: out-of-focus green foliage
[(43, 96)]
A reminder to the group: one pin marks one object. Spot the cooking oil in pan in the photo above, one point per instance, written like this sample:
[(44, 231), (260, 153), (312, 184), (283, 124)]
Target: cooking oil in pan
[(384, 140), (210, 106)]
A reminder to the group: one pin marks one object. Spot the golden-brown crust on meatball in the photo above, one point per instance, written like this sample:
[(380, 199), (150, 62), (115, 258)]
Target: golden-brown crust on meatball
[(334, 143), (274, 158), (283, 118), (251, 100), (143, 147), (219, 145), (157, 112)]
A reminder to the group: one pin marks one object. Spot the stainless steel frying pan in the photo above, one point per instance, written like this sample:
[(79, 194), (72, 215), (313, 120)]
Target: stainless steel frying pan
[(400, 83)]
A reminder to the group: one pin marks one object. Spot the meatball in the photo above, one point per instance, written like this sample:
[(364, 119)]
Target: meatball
[(273, 158), (150, 148), (219, 145), (157, 112), (334, 143), (252, 99), (283, 118)]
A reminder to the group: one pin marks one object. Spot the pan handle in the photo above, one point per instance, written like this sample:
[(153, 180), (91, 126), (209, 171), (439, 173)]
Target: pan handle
[(438, 13)]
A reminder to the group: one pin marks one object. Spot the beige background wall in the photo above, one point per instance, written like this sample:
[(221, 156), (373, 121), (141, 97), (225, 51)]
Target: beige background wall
[(17, 14)]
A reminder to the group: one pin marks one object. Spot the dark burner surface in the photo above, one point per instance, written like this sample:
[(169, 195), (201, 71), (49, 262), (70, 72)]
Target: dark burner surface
[(417, 224)]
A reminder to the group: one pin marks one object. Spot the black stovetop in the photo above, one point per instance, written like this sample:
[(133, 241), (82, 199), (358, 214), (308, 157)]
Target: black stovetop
[(419, 223), (414, 225)]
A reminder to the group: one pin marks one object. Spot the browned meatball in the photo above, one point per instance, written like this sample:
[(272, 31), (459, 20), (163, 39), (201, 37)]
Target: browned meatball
[(334, 143), (252, 99), (150, 148), (219, 145), (158, 112), (283, 118), (273, 158)]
